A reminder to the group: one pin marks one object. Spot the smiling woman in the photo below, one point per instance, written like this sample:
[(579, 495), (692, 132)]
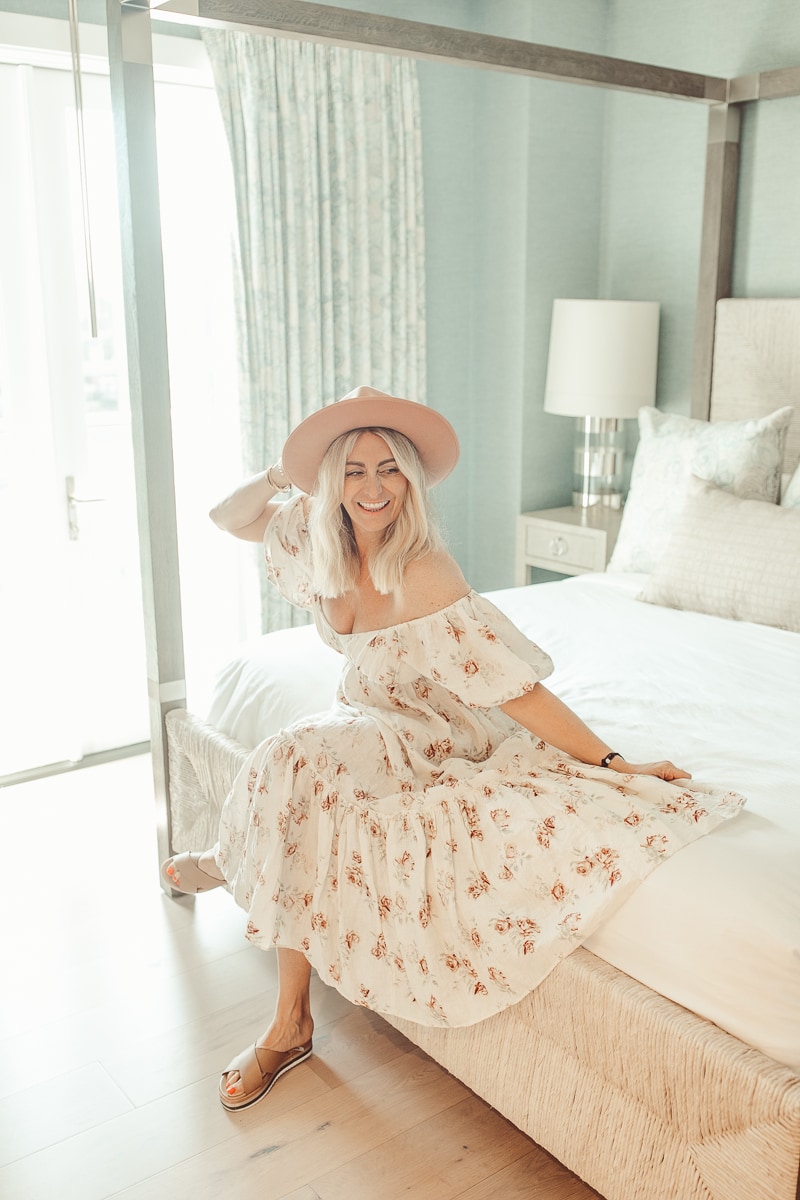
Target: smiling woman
[(385, 523), (375, 508), (374, 489), (448, 816)]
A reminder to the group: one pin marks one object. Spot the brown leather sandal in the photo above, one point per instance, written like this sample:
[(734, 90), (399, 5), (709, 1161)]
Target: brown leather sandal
[(259, 1071)]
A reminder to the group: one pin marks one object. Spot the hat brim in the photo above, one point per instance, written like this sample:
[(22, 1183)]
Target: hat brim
[(431, 433)]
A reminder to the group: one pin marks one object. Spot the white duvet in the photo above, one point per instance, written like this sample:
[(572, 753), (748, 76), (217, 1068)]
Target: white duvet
[(717, 927)]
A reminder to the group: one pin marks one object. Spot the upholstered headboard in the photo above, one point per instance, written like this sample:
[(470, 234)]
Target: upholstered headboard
[(757, 364)]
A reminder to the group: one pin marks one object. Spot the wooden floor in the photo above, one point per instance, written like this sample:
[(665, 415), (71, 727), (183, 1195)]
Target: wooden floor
[(120, 1007)]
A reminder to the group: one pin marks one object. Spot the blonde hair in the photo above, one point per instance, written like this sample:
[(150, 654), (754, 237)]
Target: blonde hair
[(411, 536)]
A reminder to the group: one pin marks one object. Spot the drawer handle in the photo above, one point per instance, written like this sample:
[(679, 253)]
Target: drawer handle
[(558, 547)]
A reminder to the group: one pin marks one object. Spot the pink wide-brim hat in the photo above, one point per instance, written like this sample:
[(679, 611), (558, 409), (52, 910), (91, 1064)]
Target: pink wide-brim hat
[(367, 408)]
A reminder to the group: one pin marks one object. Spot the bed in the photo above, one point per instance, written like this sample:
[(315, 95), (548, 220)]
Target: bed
[(662, 1058)]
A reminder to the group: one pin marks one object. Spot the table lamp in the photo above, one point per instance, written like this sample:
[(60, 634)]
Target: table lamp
[(601, 369)]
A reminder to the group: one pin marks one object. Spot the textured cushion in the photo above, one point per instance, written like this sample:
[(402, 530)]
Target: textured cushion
[(743, 457), (791, 493), (731, 558)]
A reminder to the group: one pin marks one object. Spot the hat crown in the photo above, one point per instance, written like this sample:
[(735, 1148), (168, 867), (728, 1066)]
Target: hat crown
[(364, 392), (368, 408)]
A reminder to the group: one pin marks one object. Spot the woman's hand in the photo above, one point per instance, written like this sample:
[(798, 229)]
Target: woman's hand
[(662, 770)]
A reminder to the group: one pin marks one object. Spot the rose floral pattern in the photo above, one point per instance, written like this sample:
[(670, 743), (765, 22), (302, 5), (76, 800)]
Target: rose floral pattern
[(430, 857)]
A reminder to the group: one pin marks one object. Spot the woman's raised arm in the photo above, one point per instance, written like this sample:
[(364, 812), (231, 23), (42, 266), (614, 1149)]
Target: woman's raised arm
[(248, 509)]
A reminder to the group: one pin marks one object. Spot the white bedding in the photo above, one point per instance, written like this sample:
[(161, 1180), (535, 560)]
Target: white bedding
[(717, 927)]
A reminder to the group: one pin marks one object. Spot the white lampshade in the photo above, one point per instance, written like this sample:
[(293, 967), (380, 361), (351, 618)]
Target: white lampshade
[(603, 357)]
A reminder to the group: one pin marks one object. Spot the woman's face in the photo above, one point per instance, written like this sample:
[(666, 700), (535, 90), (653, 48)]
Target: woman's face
[(374, 487)]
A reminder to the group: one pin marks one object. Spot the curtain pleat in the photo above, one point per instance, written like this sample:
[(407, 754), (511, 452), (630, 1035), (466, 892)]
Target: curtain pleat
[(326, 152)]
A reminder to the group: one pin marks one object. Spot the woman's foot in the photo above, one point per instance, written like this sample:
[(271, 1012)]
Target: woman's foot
[(256, 1070), (192, 872)]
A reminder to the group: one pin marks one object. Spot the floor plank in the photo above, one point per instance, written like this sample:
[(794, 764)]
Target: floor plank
[(438, 1159), (59, 1109), (279, 1150), (120, 1007), (535, 1176)]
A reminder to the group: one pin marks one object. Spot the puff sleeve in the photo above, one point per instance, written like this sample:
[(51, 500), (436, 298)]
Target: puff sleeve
[(287, 549), (470, 648)]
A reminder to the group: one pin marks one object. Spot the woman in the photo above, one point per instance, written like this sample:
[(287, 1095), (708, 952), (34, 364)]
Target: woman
[(449, 830)]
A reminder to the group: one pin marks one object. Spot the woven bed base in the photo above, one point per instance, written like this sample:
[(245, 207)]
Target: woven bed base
[(637, 1096), (203, 764)]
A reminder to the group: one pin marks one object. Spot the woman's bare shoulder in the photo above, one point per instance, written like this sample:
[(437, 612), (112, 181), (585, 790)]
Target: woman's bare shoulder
[(432, 583)]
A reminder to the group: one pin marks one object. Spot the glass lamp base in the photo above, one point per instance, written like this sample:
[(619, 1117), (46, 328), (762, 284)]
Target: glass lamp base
[(598, 459)]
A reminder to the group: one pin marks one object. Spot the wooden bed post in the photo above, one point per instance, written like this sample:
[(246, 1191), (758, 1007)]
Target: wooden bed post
[(131, 64), (716, 244)]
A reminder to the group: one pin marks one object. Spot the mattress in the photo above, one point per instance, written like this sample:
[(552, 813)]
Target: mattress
[(717, 927)]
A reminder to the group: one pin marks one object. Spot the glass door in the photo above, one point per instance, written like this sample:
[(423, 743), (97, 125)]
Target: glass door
[(72, 660), (71, 628)]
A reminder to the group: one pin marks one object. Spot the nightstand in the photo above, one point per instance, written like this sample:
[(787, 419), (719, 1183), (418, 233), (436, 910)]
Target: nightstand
[(570, 541)]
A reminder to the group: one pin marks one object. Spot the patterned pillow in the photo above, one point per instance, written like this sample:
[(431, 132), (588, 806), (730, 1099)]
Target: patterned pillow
[(743, 457), (731, 558), (791, 493)]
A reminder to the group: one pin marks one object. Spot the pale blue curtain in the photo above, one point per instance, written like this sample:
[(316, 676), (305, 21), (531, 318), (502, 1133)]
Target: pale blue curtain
[(327, 161)]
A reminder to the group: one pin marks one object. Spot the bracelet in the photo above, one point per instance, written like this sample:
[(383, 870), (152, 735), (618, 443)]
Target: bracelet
[(611, 754), (287, 487)]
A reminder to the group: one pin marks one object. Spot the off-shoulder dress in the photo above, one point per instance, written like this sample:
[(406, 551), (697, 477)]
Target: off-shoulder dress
[(432, 858)]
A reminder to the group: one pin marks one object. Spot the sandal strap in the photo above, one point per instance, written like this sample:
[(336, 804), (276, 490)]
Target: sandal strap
[(249, 1068), (254, 1070)]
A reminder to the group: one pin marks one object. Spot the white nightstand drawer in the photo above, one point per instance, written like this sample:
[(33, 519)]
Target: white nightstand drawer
[(568, 541), (562, 548)]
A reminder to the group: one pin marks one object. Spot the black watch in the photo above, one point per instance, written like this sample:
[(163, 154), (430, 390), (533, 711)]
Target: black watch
[(611, 754)]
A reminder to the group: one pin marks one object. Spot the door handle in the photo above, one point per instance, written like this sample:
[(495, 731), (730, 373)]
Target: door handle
[(72, 511)]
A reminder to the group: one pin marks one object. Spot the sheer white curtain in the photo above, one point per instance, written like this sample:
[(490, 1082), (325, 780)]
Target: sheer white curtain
[(327, 162)]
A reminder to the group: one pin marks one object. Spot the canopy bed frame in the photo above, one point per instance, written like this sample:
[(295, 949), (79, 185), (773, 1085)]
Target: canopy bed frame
[(645, 1129)]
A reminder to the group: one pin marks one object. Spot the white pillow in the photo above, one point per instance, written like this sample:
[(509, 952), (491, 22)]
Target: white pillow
[(731, 558), (791, 493), (743, 457)]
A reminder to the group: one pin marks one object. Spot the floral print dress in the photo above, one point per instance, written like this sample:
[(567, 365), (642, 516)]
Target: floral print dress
[(431, 858)]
